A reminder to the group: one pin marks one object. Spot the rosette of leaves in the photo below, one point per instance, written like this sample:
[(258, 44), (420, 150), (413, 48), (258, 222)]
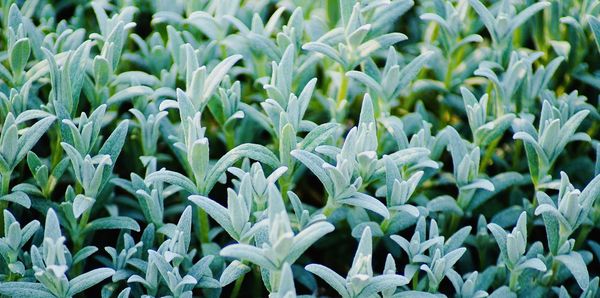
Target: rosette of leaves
[(568, 213), (172, 264), (356, 159), (278, 244), (430, 253), (503, 22), (513, 250), (455, 35), (562, 218), (50, 262), (544, 145), (11, 245), (484, 131), (387, 85), (360, 281), (355, 43)]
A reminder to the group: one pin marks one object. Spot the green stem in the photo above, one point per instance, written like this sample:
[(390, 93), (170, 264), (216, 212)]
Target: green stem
[(5, 183), (79, 241), (204, 228), (487, 156), (285, 182), (583, 235), (4, 204), (229, 139), (554, 271), (223, 51), (448, 76), (415, 281), (343, 91), (454, 221), (329, 207), (517, 154), (257, 282), (237, 287), (513, 283), (385, 225)]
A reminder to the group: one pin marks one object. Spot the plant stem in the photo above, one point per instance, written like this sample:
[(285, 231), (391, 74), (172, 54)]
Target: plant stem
[(343, 91), (554, 271), (448, 76), (329, 207), (4, 204), (204, 228), (454, 221), (237, 287), (514, 278), (229, 139), (487, 156), (284, 184), (583, 235), (5, 183), (415, 281), (385, 224)]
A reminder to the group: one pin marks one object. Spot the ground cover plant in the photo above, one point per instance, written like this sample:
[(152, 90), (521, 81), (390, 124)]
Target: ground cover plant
[(253, 148)]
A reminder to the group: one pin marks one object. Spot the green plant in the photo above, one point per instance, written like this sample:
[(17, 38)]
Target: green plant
[(242, 148)]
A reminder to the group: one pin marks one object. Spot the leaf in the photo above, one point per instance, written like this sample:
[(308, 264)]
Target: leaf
[(367, 114), (315, 165), (410, 71), (595, 26), (324, 49), (101, 70), (17, 197), (457, 239), (232, 272), (82, 203), (219, 213), (19, 54), (366, 80), (501, 182), (249, 253), (52, 226), (500, 236), (173, 178), (383, 282), (414, 294), (287, 143), (32, 135), (112, 223), (252, 151), (535, 264), (337, 282), (503, 292), (86, 280), (367, 202), (217, 74), (486, 17), (382, 41), (574, 262), (445, 204), (479, 184), (129, 93), (306, 238), (318, 136), (83, 254), (590, 193), (113, 145), (525, 14), (24, 289)]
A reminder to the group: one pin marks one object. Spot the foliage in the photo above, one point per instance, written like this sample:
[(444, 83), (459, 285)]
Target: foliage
[(283, 148)]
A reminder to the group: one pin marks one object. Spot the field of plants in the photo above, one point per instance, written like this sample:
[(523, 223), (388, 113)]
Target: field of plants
[(328, 148)]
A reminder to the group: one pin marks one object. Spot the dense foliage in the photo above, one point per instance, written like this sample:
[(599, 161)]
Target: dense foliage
[(378, 148)]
